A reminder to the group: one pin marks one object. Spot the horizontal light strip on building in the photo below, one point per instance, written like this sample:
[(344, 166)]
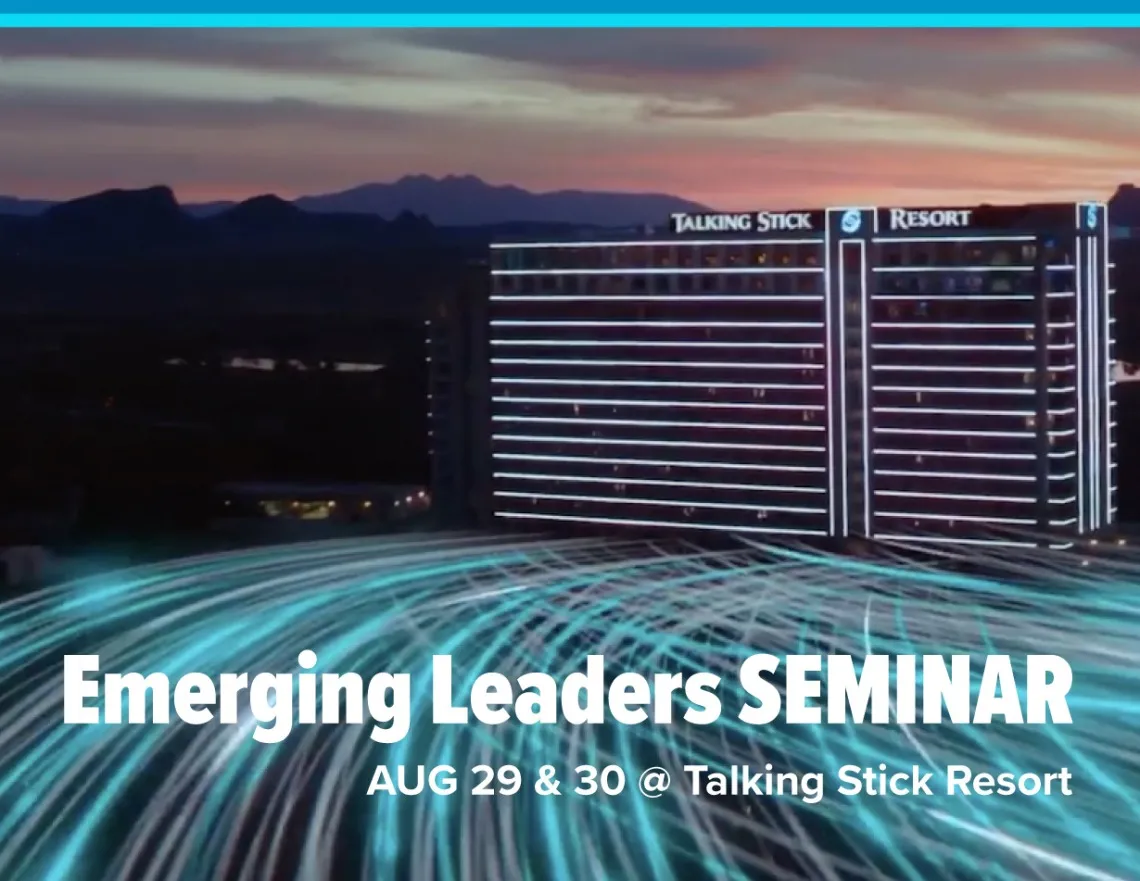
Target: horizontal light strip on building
[(907, 389), (943, 411), (955, 454), (950, 347), (649, 243), (912, 539), (659, 298), (961, 497), (951, 518), (700, 325), (659, 463), (665, 503), (655, 344), (669, 270), (653, 423), (649, 383), (1004, 298), (957, 475), (673, 365), (1053, 267), (902, 325), (644, 481), (643, 442), (949, 432), (620, 402), (664, 524), (1001, 240), (954, 368)]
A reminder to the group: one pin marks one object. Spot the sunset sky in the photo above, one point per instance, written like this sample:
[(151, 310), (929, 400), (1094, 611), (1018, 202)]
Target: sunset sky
[(734, 119)]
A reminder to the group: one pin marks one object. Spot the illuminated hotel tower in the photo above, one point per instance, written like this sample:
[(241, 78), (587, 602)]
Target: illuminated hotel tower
[(665, 380), (984, 374), (938, 375)]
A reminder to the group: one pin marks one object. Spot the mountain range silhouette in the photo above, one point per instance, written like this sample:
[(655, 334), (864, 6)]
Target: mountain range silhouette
[(415, 210), (409, 209)]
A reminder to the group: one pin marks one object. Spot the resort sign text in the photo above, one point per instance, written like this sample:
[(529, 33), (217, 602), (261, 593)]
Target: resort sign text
[(745, 221)]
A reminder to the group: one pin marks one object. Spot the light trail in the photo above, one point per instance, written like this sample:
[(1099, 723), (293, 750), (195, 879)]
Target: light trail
[(207, 803)]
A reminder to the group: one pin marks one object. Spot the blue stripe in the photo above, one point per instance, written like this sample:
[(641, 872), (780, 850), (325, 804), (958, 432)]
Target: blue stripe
[(443, 14)]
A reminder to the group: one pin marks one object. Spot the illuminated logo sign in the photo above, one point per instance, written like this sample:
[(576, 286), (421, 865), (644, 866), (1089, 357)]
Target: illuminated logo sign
[(756, 221), (851, 221), (902, 219), (1090, 216)]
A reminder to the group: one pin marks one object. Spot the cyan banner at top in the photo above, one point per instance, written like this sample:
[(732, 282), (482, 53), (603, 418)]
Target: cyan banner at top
[(565, 13)]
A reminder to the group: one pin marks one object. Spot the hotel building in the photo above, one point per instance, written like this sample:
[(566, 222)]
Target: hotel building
[(918, 375)]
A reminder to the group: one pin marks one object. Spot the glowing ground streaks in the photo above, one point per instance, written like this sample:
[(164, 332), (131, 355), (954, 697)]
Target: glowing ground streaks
[(208, 803)]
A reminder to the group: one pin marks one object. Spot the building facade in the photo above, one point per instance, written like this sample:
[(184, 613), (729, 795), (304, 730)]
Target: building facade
[(938, 375), (458, 424)]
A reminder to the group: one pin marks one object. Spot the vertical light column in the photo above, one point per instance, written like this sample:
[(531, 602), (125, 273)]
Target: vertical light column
[(848, 305)]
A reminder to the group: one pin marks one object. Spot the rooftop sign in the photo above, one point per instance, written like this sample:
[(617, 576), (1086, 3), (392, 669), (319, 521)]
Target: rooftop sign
[(746, 221)]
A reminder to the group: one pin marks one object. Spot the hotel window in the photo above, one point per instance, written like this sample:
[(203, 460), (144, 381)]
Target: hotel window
[(946, 253), (590, 258)]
